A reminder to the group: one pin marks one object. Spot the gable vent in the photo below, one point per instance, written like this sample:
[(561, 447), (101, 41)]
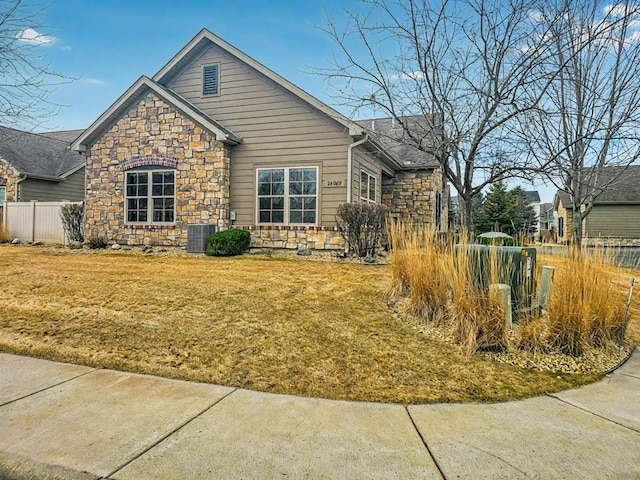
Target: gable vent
[(210, 79)]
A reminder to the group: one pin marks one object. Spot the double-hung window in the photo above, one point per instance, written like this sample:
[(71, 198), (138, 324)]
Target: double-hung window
[(288, 196), (150, 197), (367, 187), (3, 195)]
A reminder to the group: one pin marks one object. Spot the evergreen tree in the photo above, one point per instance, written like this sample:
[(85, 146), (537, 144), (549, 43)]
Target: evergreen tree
[(498, 211), (526, 218)]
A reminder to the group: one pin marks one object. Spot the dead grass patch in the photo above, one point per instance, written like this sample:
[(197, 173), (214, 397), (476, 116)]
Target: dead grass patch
[(316, 329)]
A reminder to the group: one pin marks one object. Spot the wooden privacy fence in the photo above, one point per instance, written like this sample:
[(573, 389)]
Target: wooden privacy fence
[(35, 221)]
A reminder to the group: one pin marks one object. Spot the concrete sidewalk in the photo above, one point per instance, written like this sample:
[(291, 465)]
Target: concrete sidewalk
[(61, 421)]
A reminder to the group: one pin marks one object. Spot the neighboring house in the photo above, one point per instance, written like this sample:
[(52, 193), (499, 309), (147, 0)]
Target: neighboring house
[(548, 222), (216, 138), (616, 212), (39, 167), (534, 201)]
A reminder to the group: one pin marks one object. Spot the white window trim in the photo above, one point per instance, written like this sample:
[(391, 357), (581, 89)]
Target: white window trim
[(287, 196), (149, 197), (375, 193)]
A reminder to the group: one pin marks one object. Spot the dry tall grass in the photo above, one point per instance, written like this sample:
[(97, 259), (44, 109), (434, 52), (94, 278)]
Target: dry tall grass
[(441, 286), (586, 310), (4, 234)]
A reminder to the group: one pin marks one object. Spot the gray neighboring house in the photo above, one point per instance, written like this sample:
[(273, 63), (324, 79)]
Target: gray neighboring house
[(40, 167)]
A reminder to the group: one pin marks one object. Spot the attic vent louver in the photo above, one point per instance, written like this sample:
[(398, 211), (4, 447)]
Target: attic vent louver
[(210, 79)]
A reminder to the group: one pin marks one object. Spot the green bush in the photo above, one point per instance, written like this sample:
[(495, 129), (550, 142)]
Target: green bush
[(229, 243)]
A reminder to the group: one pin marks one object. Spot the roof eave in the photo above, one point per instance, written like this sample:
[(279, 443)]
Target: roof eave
[(112, 113)]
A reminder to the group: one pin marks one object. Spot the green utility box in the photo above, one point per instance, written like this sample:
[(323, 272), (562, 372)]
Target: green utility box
[(514, 266)]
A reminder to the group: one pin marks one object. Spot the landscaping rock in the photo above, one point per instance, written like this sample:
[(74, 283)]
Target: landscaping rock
[(304, 252), (369, 259), (15, 241), (75, 245), (115, 246)]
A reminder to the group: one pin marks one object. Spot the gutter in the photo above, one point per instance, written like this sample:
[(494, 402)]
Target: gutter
[(350, 164)]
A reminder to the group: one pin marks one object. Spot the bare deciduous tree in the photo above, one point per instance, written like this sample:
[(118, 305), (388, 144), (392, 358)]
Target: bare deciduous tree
[(466, 68), (26, 79), (589, 118)]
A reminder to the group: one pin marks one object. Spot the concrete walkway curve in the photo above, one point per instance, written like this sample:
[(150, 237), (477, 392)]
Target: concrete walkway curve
[(60, 421)]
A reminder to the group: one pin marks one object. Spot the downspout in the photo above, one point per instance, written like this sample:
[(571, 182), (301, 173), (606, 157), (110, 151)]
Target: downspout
[(350, 165), (20, 180)]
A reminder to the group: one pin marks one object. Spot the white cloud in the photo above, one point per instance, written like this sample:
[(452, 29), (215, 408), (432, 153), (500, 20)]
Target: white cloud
[(66, 48), (32, 36), (94, 81)]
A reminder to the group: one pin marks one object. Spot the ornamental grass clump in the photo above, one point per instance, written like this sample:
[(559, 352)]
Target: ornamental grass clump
[(420, 263), (585, 310)]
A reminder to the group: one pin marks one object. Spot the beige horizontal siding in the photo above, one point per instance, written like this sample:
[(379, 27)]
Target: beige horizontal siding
[(277, 128), (621, 221), (363, 160)]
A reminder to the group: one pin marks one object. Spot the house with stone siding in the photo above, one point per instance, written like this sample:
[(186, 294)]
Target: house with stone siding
[(216, 138)]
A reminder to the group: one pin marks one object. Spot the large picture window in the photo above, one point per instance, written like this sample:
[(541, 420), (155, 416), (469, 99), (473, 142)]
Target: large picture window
[(367, 187), (150, 197), (288, 196)]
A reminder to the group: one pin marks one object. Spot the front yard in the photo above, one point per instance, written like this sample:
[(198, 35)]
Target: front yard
[(307, 328)]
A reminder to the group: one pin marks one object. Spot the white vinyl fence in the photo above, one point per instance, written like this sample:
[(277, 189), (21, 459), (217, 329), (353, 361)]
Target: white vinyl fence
[(35, 221)]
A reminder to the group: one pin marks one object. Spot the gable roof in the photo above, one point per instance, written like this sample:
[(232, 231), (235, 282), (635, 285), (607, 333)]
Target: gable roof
[(132, 96), (532, 195), (204, 39), (623, 188), (395, 139), (38, 156)]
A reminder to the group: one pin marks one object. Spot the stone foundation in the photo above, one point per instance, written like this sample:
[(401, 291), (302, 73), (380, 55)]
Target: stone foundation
[(293, 238)]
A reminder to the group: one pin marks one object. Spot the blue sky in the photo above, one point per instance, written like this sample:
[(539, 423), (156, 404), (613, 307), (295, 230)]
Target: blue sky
[(107, 45)]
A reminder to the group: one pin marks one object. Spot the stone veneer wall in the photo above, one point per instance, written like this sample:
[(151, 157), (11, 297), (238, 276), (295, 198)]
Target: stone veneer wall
[(412, 196), (154, 133), (313, 238), (8, 179)]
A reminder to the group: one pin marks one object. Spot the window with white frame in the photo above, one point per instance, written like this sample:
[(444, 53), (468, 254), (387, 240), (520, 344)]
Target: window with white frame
[(288, 196), (150, 197), (3, 195), (367, 187)]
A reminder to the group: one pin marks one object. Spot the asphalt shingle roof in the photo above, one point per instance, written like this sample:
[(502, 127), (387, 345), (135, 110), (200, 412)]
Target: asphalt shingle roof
[(32, 153), (395, 139)]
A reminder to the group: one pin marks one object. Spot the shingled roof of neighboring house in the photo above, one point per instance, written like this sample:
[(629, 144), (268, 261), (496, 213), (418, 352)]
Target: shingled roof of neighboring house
[(623, 188), (37, 155), (394, 138), (64, 135), (532, 195)]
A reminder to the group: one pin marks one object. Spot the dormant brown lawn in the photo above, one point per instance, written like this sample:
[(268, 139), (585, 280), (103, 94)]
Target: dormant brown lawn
[(307, 328)]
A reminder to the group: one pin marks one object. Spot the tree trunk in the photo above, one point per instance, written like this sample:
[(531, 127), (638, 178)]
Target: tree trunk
[(576, 234)]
